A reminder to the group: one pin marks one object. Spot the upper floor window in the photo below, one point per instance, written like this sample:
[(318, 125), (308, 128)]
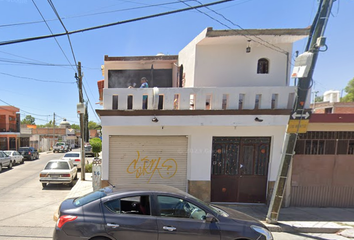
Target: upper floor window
[(263, 66)]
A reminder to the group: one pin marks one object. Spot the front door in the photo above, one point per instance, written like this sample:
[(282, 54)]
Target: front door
[(239, 169)]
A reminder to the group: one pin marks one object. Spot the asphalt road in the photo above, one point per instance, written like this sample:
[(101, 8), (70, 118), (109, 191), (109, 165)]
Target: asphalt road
[(26, 210)]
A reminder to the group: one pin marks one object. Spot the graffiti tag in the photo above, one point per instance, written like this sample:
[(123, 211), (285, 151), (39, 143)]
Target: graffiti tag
[(145, 166)]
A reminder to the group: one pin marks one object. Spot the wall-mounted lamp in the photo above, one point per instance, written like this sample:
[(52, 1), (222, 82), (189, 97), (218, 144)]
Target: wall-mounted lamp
[(248, 48), (258, 119), (155, 120)]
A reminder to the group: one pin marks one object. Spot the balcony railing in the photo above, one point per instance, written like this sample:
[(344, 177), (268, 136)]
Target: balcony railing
[(199, 98), (8, 127)]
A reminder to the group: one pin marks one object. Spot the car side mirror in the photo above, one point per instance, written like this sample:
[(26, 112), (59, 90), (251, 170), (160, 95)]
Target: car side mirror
[(209, 218)]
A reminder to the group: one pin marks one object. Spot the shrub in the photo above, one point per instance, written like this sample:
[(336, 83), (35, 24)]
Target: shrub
[(88, 167), (96, 144)]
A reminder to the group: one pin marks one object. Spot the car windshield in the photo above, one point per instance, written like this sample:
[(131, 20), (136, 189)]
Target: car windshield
[(218, 210), (23, 149), (8, 153), (72, 155), (89, 198), (57, 165), (60, 144)]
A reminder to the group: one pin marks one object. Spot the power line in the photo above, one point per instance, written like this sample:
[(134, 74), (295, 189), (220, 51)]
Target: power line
[(110, 24), (35, 79), (52, 33), (57, 14), (248, 36), (91, 14), (91, 104), (34, 63)]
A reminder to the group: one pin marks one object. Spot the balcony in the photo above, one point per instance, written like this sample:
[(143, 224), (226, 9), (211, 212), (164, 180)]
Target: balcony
[(233, 98), (8, 127)]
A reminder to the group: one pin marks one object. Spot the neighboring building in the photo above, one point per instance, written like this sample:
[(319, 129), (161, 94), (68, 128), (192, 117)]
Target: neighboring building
[(322, 169), (9, 128), (331, 104), (215, 120)]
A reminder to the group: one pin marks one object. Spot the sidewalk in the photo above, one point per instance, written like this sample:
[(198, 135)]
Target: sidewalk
[(292, 219)]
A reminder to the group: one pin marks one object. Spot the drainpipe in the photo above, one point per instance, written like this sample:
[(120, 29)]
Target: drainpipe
[(287, 69)]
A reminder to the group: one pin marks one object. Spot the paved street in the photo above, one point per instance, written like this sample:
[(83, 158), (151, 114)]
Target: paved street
[(26, 209)]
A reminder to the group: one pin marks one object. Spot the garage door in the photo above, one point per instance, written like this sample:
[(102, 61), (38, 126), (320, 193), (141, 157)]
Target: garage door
[(148, 159)]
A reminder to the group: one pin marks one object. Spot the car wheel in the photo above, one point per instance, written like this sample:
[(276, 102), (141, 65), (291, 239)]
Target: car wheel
[(75, 178), (0, 168), (44, 185), (22, 161), (10, 165)]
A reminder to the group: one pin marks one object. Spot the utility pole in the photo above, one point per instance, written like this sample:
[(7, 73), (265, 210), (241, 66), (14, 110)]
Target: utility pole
[(53, 129), (82, 126), (316, 40)]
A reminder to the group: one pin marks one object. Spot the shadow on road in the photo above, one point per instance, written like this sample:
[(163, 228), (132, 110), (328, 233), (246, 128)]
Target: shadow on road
[(52, 186)]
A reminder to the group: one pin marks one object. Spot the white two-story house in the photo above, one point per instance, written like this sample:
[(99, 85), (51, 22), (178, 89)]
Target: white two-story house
[(215, 120)]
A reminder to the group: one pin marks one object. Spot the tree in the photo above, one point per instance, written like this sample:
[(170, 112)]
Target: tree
[(47, 125), (319, 99), (75, 126), (92, 125), (349, 89), (96, 144), (29, 120)]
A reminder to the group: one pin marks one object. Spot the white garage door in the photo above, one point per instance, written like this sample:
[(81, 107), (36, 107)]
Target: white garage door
[(148, 159)]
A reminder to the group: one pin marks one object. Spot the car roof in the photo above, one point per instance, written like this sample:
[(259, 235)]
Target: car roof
[(145, 188)]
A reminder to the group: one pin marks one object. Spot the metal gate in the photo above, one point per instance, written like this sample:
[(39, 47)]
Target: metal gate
[(239, 169)]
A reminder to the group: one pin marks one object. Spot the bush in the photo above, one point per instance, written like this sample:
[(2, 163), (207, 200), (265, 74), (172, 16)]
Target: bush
[(88, 167), (96, 144)]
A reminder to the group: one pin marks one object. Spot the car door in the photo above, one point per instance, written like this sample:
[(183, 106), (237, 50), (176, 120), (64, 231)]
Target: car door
[(129, 218), (180, 219)]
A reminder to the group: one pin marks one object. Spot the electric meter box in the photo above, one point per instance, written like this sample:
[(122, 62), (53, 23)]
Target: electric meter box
[(81, 108), (302, 65)]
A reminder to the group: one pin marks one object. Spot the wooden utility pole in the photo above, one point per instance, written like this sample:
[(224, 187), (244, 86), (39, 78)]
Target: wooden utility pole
[(53, 130), (82, 125), (316, 41)]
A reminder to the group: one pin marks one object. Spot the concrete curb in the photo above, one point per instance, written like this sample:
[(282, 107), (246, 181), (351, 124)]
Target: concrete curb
[(285, 227)]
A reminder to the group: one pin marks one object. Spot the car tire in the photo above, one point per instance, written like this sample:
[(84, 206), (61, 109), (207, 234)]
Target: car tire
[(44, 185), (10, 165), (22, 161), (75, 178), (0, 168)]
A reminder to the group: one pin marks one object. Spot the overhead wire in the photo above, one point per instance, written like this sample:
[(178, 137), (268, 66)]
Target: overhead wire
[(35, 79), (57, 14), (39, 11), (248, 36), (109, 24)]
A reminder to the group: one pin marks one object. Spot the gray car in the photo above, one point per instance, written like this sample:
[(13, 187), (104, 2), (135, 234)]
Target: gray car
[(151, 212), (5, 161)]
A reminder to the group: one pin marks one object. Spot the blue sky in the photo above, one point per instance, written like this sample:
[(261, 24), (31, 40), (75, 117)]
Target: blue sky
[(30, 82)]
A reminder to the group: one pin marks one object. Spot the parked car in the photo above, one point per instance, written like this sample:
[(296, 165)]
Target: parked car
[(152, 211), (88, 151), (16, 157), (5, 161), (61, 147), (29, 153), (75, 157), (58, 171)]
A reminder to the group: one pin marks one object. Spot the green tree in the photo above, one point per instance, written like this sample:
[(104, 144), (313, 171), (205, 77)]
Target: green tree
[(75, 126), (92, 125), (47, 125), (349, 89), (319, 99), (96, 144), (29, 120)]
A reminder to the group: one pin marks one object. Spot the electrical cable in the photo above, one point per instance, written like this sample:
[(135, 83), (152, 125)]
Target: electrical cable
[(35, 79), (52, 33), (91, 104), (57, 14), (237, 25), (109, 24)]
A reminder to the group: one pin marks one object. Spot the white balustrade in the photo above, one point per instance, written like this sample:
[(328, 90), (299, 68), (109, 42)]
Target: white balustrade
[(197, 98)]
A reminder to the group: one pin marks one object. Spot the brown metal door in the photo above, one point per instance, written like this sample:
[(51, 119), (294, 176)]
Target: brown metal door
[(239, 169)]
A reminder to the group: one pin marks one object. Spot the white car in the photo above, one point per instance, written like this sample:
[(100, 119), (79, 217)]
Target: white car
[(75, 157), (58, 171), (16, 157)]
